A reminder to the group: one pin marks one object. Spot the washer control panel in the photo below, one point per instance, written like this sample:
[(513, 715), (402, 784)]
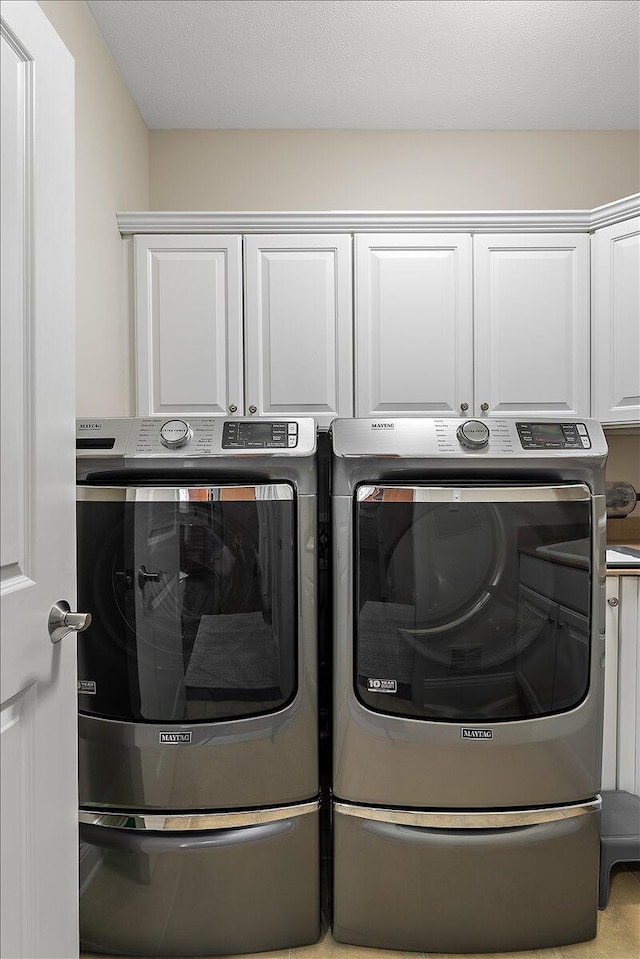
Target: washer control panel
[(454, 438), (152, 437), (473, 434), (240, 435), (175, 433), (192, 437), (554, 436)]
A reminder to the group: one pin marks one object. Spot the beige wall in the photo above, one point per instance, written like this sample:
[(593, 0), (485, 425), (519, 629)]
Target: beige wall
[(398, 170), (112, 173), (624, 459)]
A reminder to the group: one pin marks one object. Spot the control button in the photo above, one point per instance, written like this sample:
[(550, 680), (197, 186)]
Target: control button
[(292, 441), (292, 428), (582, 429), (473, 434), (175, 433), (586, 442)]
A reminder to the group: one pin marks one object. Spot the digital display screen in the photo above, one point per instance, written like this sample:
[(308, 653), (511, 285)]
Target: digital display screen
[(255, 431), (548, 432)]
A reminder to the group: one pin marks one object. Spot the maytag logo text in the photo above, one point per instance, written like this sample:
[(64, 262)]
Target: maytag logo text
[(383, 426), (468, 732)]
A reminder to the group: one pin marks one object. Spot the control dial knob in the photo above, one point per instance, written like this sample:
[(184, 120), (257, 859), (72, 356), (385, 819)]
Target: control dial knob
[(473, 434), (175, 433)]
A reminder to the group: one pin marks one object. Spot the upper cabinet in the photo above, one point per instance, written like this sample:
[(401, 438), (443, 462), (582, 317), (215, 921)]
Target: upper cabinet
[(299, 326), (532, 325), (330, 314), (188, 295), (616, 322), (414, 324)]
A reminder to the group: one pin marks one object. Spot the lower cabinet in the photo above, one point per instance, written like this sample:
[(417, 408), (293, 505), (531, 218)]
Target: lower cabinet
[(621, 749), (555, 647)]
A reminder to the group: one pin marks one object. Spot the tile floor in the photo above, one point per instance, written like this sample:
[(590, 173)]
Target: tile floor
[(618, 935)]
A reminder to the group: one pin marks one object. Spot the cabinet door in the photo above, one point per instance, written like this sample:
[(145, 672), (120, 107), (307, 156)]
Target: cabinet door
[(188, 324), (616, 323), (413, 320), (629, 686), (532, 325), (610, 727), (299, 343)]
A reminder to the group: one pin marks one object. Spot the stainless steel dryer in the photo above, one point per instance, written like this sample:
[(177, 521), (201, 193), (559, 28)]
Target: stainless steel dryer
[(468, 664), (197, 685)]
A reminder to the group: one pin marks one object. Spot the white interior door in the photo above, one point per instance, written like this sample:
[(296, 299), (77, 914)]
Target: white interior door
[(38, 679)]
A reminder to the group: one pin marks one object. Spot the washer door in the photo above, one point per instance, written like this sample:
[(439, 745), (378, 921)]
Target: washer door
[(193, 595), (462, 599)]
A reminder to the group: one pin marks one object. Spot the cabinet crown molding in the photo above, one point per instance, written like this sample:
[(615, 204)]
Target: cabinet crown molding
[(464, 221)]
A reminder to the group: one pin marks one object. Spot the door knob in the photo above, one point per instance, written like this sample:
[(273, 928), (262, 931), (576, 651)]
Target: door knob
[(253, 409), (63, 621), (233, 408), (484, 407), (464, 407), (145, 577)]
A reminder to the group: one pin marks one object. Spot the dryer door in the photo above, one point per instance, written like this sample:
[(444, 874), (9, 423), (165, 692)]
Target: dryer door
[(193, 595), (463, 596)]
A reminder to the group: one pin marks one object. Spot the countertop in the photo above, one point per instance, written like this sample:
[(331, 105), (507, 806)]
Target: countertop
[(618, 551), (624, 534)]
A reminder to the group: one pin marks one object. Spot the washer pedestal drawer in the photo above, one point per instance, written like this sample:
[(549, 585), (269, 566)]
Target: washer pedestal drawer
[(195, 893), (412, 887)]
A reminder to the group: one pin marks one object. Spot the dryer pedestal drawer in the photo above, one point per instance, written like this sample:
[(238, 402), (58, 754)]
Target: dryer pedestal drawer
[(214, 892), (400, 886)]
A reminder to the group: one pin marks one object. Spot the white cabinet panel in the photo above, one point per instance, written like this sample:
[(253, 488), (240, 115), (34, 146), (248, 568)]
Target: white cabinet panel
[(610, 729), (532, 324), (188, 324), (616, 323), (413, 324), (629, 685), (299, 326)]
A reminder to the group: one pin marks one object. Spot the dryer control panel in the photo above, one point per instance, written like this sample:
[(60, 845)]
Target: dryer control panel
[(240, 435), (554, 436)]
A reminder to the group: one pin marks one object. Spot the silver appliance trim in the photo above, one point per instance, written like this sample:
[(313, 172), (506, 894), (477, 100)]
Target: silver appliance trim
[(266, 492), (187, 822), (469, 820), (576, 492)]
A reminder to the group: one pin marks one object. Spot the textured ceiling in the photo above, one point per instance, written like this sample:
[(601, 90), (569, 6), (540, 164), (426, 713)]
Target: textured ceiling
[(378, 64)]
